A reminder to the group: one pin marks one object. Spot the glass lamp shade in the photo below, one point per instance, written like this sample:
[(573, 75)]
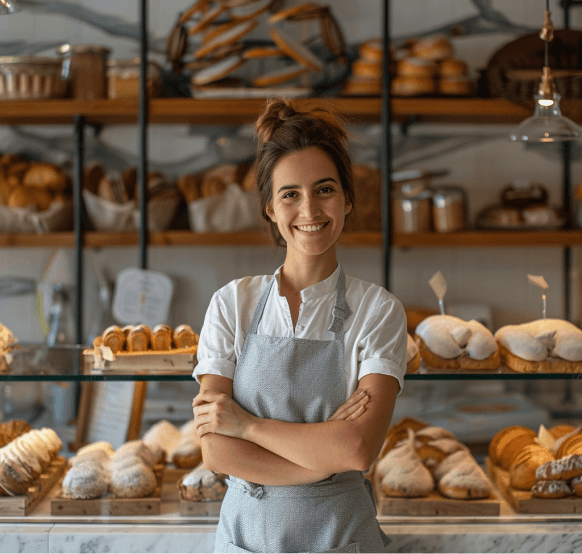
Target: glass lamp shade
[(547, 124), (8, 7)]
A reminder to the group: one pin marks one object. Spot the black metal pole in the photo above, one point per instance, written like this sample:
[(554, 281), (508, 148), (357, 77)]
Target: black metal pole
[(566, 202), (78, 225), (143, 130), (386, 154)]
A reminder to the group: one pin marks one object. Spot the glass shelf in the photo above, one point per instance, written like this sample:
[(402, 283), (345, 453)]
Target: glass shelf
[(37, 362)]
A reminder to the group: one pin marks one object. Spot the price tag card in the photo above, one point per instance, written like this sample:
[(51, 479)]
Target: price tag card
[(142, 296)]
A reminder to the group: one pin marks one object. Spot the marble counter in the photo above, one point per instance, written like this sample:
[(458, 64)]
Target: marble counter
[(411, 537)]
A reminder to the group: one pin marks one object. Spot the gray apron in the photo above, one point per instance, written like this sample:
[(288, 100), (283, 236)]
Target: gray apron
[(301, 381)]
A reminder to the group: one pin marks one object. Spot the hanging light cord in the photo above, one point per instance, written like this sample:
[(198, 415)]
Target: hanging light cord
[(546, 41)]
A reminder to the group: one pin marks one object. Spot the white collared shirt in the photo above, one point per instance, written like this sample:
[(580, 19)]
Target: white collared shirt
[(375, 334)]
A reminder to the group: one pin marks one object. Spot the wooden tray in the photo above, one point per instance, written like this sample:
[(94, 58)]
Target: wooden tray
[(435, 504), (172, 473), (177, 361), (107, 506), (524, 502), (200, 507), (22, 505)]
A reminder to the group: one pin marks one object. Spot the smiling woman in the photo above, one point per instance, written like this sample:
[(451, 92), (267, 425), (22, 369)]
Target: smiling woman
[(299, 371)]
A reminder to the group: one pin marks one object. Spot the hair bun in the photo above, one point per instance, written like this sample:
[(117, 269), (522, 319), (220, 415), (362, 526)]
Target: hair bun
[(275, 112)]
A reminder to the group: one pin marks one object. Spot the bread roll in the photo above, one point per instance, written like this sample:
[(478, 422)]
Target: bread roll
[(161, 337), (24, 197), (184, 337), (415, 67), (503, 437), (114, 338), (522, 473), (452, 67), (138, 339), (45, 176)]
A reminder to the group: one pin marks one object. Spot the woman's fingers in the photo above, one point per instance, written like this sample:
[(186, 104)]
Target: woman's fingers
[(352, 404), (357, 413)]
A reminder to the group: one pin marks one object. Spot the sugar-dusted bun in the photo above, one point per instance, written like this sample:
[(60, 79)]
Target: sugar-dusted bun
[(551, 489), (163, 434), (562, 469), (522, 473), (449, 463), (93, 456), (452, 67), (202, 484), (184, 337), (465, 481), (576, 485), (415, 67), (434, 48), (137, 481), (104, 446), (136, 448), (188, 452), (114, 338), (87, 480), (412, 86), (161, 337), (462, 362)]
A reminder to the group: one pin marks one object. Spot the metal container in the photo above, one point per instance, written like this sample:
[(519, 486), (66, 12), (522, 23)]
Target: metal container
[(411, 214), (449, 207), (30, 78), (86, 67)]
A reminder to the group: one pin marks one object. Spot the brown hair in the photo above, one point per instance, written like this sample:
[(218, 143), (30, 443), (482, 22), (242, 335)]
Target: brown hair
[(284, 128)]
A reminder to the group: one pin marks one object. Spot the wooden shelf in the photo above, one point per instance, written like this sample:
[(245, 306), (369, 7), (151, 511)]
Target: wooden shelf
[(487, 239), (239, 111)]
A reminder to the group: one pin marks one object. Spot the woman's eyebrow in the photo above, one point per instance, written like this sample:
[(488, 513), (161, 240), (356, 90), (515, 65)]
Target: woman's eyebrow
[(318, 182)]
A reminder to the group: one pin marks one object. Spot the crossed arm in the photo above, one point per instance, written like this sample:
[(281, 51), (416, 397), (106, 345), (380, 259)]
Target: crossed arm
[(274, 452)]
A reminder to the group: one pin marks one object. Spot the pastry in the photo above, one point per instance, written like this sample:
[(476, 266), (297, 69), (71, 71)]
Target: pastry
[(114, 338), (455, 86), (184, 337), (104, 446), (559, 431), (230, 36), (85, 481), (576, 485), (511, 448), (188, 451), (465, 481), (353, 86), (135, 448), (9, 430), (280, 75), (432, 433), (189, 186), (551, 489), (218, 70), (503, 437), (434, 452), (207, 17), (415, 67), (161, 337), (372, 50), (571, 445), (202, 484), (138, 339), (262, 52), (435, 48), (399, 431), (412, 356), (452, 67), (296, 50), (409, 477), (45, 176), (367, 69), (449, 463), (551, 345), (412, 85), (14, 478), (447, 342), (136, 481), (522, 473), (162, 434), (24, 197), (562, 469), (249, 10)]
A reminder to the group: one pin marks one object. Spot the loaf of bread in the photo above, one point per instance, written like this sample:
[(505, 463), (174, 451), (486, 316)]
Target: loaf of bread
[(202, 484), (161, 337), (522, 473), (184, 337), (114, 338)]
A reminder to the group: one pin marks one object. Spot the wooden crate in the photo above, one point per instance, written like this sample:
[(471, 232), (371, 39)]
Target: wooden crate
[(107, 506), (24, 504), (524, 502), (200, 507), (435, 504)]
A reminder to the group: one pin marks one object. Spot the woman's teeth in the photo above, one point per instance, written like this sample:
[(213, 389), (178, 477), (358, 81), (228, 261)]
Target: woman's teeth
[(311, 228)]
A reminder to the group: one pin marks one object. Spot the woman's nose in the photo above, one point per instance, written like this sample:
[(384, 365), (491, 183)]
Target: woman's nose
[(310, 207)]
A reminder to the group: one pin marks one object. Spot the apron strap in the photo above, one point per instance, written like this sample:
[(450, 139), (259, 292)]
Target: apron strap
[(341, 311), (260, 308)]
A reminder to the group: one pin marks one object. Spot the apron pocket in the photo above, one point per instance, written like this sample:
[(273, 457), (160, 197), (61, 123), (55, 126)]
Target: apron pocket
[(353, 548)]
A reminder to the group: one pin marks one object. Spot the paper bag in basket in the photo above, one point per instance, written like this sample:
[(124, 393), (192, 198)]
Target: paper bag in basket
[(59, 217)]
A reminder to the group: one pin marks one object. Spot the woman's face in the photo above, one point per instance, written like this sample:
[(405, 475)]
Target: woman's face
[(308, 203)]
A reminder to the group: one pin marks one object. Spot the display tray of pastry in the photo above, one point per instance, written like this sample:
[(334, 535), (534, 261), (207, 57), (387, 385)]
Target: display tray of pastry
[(103, 481), (201, 492), (138, 349), (29, 467), (541, 346), (450, 343), (544, 472), (430, 473)]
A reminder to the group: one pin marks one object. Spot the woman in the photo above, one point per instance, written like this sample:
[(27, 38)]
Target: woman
[(299, 371)]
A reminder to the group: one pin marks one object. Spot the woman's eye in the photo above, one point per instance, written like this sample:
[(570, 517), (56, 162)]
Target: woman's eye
[(288, 195), (326, 189)]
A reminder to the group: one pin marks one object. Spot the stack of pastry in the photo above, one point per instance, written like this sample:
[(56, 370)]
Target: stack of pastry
[(98, 469), (429, 457), (366, 70), (140, 338), (448, 342), (429, 67), (25, 457), (32, 185), (541, 346)]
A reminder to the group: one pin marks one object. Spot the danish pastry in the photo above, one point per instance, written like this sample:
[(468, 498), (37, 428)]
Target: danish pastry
[(551, 489)]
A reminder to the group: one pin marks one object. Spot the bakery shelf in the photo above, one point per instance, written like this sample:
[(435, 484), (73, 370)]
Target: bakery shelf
[(239, 111)]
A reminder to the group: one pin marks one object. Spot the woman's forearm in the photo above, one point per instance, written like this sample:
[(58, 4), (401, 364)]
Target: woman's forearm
[(251, 462), (332, 446)]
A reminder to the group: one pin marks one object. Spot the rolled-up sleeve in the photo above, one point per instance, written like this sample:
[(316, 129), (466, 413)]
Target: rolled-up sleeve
[(382, 348), (216, 353)]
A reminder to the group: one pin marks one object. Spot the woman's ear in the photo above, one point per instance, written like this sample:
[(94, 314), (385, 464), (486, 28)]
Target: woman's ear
[(270, 212), (348, 209)]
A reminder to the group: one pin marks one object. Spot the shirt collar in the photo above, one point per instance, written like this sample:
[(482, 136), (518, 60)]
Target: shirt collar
[(319, 289)]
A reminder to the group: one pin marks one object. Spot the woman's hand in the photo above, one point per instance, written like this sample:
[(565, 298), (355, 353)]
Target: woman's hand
[(216, 412), (353, 407)]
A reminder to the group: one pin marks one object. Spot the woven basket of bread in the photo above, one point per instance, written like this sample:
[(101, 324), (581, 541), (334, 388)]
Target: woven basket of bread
[(515, 70)]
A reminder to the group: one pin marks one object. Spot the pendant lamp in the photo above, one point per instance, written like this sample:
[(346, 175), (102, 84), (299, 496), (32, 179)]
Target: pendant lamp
[(8, 7), (547, 124)]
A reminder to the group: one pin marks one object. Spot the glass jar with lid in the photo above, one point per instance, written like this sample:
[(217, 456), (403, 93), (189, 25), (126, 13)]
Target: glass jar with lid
[(123, 78), (86, 67)]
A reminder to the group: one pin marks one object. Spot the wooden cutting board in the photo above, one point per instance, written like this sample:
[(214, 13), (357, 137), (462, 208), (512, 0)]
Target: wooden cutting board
[(524, 502)]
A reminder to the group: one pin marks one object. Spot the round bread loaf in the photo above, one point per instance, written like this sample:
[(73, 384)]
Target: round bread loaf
[(85, 480), (202, 484), (136, 481)]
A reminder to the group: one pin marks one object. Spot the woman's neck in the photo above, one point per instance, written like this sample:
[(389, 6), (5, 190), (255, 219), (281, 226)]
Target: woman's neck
[(298, 274)]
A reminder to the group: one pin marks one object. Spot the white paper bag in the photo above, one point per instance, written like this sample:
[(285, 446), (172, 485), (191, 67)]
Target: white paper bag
[(59, 217), (233, 210)]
